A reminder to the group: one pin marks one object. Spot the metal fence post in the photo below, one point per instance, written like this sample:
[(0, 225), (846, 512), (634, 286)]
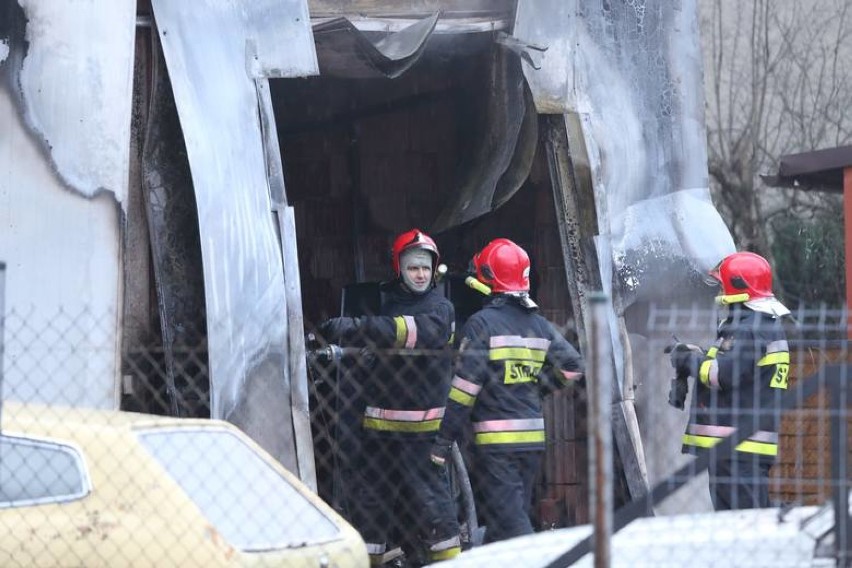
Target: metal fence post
[(2, 330), (600, 429), (838, 411)]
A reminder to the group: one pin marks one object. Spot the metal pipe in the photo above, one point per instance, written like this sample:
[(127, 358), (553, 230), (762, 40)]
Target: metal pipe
[(600, 429), (2, 331), (838, 410)]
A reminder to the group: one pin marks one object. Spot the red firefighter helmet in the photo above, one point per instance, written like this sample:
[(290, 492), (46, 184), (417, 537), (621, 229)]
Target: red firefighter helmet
[(413, 239), (503, 266), (744, 276)]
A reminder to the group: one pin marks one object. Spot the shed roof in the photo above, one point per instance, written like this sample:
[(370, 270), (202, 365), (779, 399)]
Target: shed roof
[(819, 170)]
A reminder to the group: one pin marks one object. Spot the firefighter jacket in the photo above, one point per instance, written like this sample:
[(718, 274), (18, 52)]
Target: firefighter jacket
[(739, 385), (406, 386), (507, 354)]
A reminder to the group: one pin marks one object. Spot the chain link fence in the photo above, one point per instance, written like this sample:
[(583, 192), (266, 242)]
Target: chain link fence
[(87, 488)]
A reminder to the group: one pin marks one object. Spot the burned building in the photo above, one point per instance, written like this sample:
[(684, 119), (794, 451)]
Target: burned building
[(206, 178)]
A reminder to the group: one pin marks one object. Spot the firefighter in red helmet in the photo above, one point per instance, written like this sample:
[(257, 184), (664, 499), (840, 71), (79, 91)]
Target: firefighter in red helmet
[(740, 380), (509, 356), (414, 256), (404, 394)]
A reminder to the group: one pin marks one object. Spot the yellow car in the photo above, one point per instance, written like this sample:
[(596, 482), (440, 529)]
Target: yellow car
[(102, 488)]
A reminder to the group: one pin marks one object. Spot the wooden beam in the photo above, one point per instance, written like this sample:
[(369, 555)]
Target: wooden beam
[(297, 372), (847, 223), (573, 193), (409, 8)]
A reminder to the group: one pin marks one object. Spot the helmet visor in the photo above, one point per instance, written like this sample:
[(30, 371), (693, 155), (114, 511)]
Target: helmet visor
[(713, 278)]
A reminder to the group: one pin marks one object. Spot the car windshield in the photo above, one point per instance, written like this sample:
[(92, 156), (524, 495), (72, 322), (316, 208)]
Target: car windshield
[(253, 506)]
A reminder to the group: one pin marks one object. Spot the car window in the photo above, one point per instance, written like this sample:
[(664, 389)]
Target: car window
[(35, 472), (244, 498)]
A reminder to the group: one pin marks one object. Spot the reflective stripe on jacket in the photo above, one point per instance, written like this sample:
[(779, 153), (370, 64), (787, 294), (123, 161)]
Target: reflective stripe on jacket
[(404, 392), (387, 420), (506, 353), (740, 382)]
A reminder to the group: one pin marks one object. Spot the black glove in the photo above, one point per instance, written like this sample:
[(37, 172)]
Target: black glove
[(332, 329), (686, 359), (678, 391), (440, 452), (366, 359)]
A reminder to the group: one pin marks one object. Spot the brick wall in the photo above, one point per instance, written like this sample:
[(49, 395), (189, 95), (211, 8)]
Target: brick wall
[(803, 471)]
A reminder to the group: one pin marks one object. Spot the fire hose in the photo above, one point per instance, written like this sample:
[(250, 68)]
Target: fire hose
[(332, 354)]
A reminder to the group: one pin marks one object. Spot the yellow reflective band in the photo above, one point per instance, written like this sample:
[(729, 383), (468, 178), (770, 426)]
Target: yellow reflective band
[(780, 357), (700, 441), (452, 338), (711, 353), (393, 426), (484, 438), (731, 299), (521, 372), (522, 353), (445, 554), (747, 446), (401, 331), (781, 376), (704, 372), (762, 448), (461, 397)]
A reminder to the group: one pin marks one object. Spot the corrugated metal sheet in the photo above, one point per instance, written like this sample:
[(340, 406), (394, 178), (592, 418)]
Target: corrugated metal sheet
[(214, 49)]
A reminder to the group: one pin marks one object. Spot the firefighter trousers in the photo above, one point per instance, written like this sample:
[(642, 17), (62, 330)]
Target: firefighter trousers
[(399, 490), (741, 483), (504, 487)]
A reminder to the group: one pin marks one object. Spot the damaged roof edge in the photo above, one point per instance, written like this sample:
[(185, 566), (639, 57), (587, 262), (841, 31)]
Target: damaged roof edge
[(411, 8), (445, 25)]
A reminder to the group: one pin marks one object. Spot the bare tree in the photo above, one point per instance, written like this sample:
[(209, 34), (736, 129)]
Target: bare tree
[(776, 82)]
